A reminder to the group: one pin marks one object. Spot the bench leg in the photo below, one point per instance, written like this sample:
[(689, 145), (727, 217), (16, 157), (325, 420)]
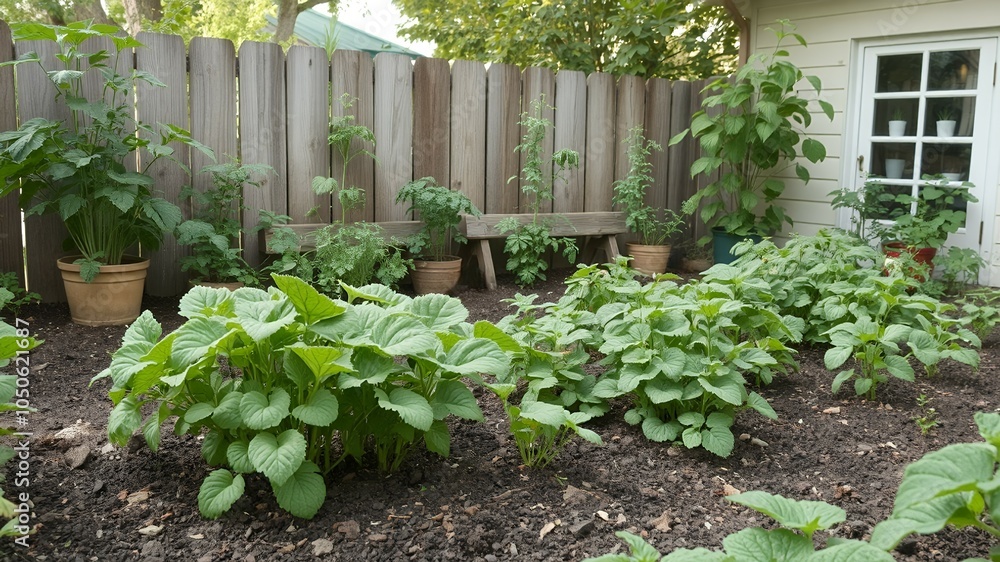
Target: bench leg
[(484, 258)]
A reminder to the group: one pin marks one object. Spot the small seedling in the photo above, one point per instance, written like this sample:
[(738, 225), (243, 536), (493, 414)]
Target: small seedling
[(928, 418)]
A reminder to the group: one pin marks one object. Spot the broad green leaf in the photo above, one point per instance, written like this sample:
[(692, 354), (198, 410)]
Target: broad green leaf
[(144, 329), (411, 407), (403, 335), (227, 414), (213, 448), (198, 411), (238, 455), (544, 413), (453, 397), (264, 412), (262, 319), (197, 339), (803, 515), (125, 418), (718, 440), (320, 409), (308, 302), (989, 427), (691, 437), (206, 301), (662, 390), (899, 367), (813, 150), (837, 356), (759, 545), (693, 419), (840, 379), (725, 388), (690, 555), (219, 492), (303, 493), (486, 330), (323, 361), (851, 551), (438, 312), (759, 403), (952, 469), (437, 439), (720, 419), (277, 456), (924, 518), (473, 356), (657, 430)]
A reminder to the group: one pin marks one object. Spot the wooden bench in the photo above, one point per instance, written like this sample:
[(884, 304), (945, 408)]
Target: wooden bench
[(600, 228), (307, 232)]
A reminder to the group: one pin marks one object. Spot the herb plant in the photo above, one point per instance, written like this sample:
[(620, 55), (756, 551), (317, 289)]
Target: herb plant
[(288, 383), (630, 194), (440, 209), (749, 131), (938, 210), (959, 268), (526, 244), (927, 420), (981, 311), (78, 168), (214, 233), (18, 296)]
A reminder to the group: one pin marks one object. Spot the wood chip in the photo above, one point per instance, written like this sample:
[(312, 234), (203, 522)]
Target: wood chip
[(728, 490), (546, 529), (151, 530), (603, 515), (833, 410)]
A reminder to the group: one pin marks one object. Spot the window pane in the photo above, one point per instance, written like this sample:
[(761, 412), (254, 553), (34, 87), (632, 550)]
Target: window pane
[(899, 73), (959, 111), (950, 160), (954, 70), (893, 160), (895, 118)]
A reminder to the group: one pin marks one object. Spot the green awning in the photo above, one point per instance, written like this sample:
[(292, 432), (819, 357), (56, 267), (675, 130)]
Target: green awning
[(311, 28)]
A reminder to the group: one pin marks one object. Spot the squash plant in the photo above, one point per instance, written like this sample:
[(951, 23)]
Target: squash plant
[(288, 383)]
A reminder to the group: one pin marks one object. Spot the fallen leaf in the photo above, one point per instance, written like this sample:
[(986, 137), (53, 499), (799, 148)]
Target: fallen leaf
[(662, 523), (137, 497)]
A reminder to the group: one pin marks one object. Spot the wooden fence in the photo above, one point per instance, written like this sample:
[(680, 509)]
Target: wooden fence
[(457, 122)]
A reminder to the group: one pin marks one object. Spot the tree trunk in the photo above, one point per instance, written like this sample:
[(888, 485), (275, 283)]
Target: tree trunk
[(138, 10), (90, 10), (288, 11)]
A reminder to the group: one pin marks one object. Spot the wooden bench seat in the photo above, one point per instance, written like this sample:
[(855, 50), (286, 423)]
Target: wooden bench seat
[(599, 227)]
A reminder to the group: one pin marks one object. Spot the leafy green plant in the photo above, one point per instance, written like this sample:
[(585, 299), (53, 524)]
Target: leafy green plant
[(214, 233), (440, 209), (798, 521), (630, 194), (747, 130), (938, 211), (981, 311), (959, 268), (526, 244), (927, 420), (955, 485), (288, 383), (18, 296), (78, 168), (946, 113)]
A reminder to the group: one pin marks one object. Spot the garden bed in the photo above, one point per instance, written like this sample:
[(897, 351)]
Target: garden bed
[(479, 504)]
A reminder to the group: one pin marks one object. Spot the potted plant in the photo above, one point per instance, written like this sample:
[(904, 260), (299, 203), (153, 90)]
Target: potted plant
[(216, 259), (946, 121), (440, 209), (697, 258), (749, 134), (894, 166), (918, 225), (652, 252), (897, 124), (78, 168)]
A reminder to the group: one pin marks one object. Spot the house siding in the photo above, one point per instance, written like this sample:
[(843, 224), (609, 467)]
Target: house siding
[(833, 30)]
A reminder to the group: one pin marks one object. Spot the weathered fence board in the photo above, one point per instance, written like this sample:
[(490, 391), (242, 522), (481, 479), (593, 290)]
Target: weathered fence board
[(571, 132), (352, 88), (262, 133), (600, 142), (11, 255), (43, 235), (432, 119), (163, 57), (457, 122), (308, 120), (503, 107), (468, 130), (393, 133)]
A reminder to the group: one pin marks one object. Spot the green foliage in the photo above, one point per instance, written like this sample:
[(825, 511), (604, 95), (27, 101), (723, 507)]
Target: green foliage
[(927, 420), (630, 194), (214, 233), (981, 311), (924, 221), (749, 131), (959, 268), (77, 168), (762, 545), (288, 383), (526, 244), (16, 296), (664, 39), (440, 209), (956, 485), (356, 254)]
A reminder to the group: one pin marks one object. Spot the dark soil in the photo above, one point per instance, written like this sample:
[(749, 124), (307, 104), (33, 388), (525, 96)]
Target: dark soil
[(479, 504)]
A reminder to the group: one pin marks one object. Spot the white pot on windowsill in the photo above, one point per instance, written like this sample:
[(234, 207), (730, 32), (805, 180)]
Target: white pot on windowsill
[(894, 168), (897, 128), (946, 129), (952, 176)]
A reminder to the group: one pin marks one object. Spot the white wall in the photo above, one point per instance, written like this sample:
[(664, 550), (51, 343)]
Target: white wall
[(833, 29)]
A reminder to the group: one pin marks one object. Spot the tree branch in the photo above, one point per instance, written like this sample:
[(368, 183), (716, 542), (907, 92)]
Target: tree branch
[(303, 6)]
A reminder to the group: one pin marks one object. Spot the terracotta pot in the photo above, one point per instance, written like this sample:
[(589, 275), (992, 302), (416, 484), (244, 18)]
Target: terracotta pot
[(232, 286), (113, 298), (923, 256), (436, 276), (648, 259), (697, 266)]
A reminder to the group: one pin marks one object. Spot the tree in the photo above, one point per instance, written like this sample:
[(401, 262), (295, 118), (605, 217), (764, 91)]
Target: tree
[(663, 38), (57, 12)]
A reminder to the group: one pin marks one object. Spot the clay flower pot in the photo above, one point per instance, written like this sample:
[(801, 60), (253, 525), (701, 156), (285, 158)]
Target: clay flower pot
[(113, 298), (436, 276), (649, 259)]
